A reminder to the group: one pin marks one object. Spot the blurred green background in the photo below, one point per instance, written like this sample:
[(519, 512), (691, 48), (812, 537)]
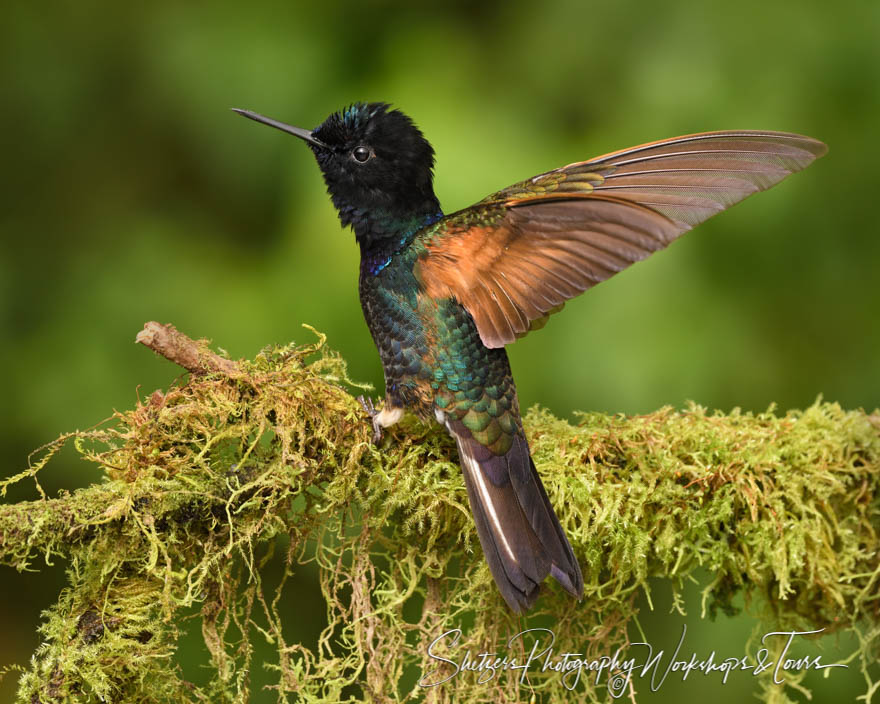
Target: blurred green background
[(131, 193)]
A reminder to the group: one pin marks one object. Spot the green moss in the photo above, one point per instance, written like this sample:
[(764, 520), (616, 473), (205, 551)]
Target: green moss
[(199, 480)]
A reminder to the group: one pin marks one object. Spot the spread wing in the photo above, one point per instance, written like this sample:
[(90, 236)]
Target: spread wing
[(519, 254)]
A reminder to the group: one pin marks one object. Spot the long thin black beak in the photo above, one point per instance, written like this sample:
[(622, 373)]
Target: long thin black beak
[(290, 129)]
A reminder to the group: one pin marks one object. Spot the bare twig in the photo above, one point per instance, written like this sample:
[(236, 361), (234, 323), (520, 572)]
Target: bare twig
[(192, 355)]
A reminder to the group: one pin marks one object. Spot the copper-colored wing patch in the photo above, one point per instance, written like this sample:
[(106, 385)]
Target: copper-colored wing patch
[(537, 257)]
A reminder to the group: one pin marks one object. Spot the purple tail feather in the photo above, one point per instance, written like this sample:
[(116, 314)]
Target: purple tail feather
[(519, 532)]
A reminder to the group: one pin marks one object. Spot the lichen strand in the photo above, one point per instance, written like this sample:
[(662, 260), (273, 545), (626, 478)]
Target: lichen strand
[(201, 479)]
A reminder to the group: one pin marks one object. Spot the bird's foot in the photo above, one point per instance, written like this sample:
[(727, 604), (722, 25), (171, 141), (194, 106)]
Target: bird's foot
[(367, 405)]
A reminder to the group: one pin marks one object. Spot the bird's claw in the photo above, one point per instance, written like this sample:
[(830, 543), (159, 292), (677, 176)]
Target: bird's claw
[(367, 405)]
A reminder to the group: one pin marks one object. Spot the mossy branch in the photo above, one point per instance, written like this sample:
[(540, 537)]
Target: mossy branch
[(202, 482)]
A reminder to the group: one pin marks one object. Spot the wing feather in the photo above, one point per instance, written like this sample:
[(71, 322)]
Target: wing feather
[(519, 254)]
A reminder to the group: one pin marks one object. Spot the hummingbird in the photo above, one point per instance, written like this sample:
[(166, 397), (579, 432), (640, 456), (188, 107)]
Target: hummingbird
[(443, 294)]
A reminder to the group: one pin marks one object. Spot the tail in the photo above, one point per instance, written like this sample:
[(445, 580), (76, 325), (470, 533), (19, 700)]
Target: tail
[(519, 532)]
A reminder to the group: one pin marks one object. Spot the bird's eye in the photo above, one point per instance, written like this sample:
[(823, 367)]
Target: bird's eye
[(361, 154)]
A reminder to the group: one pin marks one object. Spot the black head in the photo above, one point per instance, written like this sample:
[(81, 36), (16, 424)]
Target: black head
[(376, 163)]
